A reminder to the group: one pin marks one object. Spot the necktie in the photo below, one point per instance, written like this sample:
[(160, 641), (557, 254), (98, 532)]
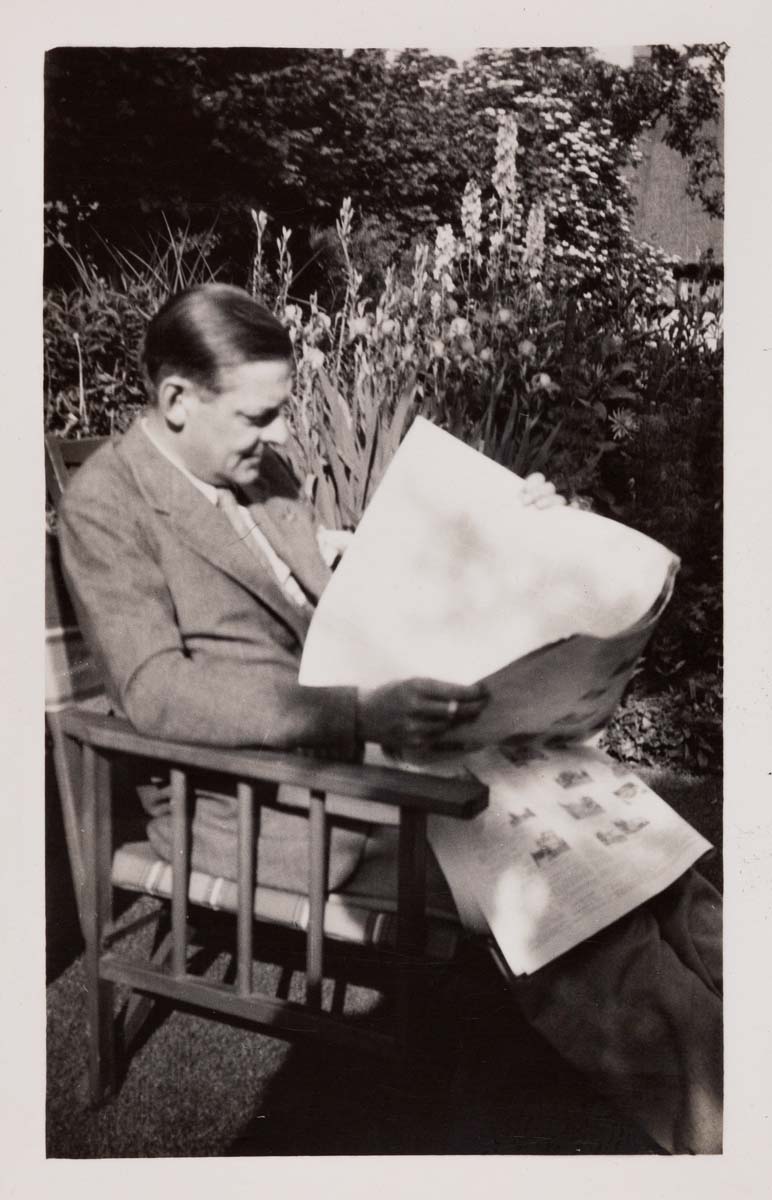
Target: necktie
[(230, 504), (234, 507)]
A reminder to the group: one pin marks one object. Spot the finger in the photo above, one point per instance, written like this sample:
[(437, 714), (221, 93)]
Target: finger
[(552, 501)]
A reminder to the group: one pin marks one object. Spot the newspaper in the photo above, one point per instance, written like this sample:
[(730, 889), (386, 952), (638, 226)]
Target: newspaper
[(570, 842), (450, 576)]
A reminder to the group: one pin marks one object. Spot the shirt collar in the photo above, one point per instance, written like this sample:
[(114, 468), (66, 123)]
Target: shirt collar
[(206, 489)]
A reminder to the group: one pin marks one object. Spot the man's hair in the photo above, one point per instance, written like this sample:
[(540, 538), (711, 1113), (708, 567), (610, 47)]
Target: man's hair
[(198, 332)]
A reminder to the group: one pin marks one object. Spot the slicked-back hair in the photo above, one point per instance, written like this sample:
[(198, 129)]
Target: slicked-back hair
[(204, 329)]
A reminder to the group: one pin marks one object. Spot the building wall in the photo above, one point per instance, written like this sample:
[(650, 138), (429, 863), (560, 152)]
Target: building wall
[(665, 216)]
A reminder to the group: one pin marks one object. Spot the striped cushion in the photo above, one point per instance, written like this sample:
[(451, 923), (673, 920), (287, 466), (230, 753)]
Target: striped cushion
[(71, 677), (354, 919)]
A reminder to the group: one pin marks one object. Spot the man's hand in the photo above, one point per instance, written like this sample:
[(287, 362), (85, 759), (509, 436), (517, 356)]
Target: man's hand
[(417, 711), (539, 493)]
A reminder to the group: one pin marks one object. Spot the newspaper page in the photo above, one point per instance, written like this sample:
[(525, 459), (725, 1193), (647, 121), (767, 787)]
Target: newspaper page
[(570, 842), (450, 576)]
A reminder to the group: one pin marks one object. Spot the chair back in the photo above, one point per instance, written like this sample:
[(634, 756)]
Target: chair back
[(63, 457), (71, 677)]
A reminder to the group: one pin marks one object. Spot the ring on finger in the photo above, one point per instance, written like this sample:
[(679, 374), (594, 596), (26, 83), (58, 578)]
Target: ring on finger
[(452, 708)]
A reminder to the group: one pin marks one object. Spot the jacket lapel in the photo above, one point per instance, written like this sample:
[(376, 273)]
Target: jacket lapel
[(205, 528)]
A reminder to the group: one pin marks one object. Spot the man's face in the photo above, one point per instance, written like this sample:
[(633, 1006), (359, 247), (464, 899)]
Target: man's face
[(225, 432)]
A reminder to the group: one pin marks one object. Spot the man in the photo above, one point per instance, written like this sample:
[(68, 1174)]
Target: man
[(194, 566)]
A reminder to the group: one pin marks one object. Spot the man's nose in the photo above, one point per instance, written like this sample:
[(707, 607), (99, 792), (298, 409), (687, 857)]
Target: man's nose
[(276, 433)]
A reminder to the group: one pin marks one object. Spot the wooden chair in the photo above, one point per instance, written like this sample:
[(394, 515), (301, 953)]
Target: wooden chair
[(392, 921), (63, 457)]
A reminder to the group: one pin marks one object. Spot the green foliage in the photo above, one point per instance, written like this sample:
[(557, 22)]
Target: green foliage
[(92, 332), (202, 136), (674, 727)]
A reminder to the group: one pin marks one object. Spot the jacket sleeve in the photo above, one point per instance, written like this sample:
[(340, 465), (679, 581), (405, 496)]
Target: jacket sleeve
[(127, 617)]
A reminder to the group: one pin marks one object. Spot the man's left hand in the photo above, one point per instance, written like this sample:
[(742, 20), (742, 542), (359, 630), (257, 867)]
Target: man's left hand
[(538, 492)]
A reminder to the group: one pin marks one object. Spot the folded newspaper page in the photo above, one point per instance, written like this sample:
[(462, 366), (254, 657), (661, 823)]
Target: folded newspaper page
[(570, 842), (450, 576)]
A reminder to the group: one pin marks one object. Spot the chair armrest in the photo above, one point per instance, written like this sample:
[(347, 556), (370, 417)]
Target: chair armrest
[(463, 797)]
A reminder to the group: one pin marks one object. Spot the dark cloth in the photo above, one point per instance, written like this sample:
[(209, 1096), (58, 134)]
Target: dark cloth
[(638, 1009)]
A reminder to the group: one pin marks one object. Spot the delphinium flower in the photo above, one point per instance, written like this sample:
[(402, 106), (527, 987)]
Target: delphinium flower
[(534, 239), (445, 251), (505, 168), (471, 217)]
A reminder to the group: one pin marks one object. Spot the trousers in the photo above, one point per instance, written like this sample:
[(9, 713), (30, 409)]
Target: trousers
[(638, 1010)]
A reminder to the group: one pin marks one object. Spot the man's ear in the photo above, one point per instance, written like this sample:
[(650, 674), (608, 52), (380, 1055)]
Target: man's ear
[(174, 396)]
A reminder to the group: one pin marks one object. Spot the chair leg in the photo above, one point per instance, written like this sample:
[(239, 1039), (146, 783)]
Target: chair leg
[(97, 904)]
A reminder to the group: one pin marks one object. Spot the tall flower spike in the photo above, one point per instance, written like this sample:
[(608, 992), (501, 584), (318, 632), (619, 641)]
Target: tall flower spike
[(505, 169), (534, 238), (344, 220), (444, 251), (471, 214)]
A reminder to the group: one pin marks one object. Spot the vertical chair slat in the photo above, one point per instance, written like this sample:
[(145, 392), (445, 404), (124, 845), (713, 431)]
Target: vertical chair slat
[(246, 885), (411, 879), (317, 896), (96, 817), (180, 870), (411, 893)]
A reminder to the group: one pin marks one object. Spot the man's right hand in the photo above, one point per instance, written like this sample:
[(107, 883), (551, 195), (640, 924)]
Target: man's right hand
[(416, 712)]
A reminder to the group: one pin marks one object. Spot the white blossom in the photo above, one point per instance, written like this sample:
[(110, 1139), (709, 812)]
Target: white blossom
[(444, 251), (471, 214)]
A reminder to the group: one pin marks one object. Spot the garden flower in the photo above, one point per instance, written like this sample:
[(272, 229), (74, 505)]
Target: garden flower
[(459, 327), (526, 349), (486, 355), (505, 170), (623, 423), (358, 327), (444, 251), (542, 380), (438, 347), (260, 219), (504, 316), (534, 237), (314, 357), (466, 345), (343, 224), (471, 214)]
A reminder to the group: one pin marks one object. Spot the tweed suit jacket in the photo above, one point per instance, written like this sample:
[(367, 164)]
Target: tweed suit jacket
[(194, 636), (197, 642)]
